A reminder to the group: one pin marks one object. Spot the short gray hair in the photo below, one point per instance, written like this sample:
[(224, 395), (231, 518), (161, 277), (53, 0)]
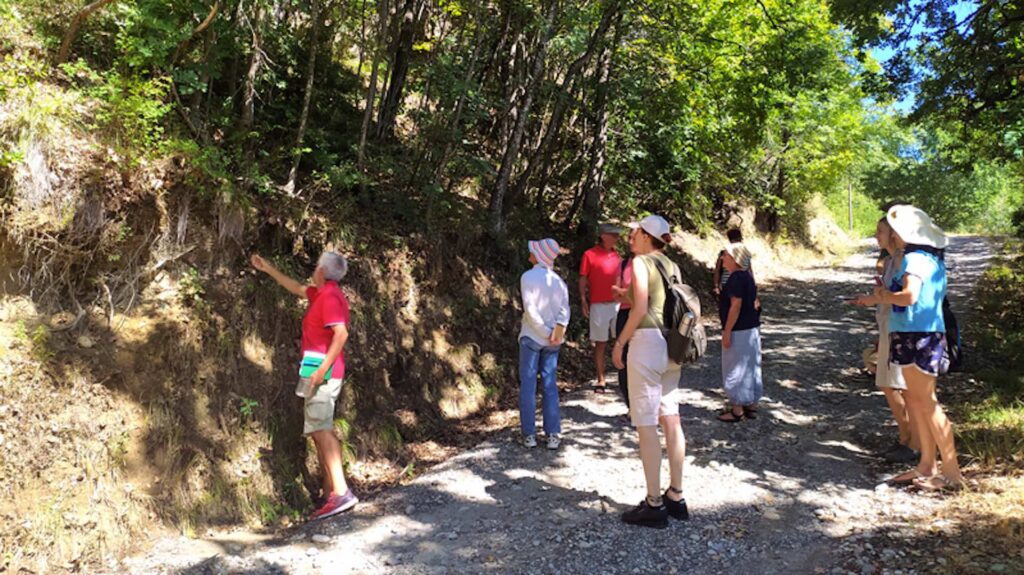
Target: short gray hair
[(335, 265)]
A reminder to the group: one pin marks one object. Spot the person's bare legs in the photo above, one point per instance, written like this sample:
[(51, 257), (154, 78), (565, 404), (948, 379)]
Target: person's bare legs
[(934, 420), (650, 456), (599, 349), (916, 398), (898, 406), (325, 478), (329, 450), (675, 444)]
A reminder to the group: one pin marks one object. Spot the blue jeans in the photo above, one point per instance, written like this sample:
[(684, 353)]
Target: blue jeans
[(535, 358)]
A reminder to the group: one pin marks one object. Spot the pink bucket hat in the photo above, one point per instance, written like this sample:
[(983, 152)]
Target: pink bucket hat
[(545, 251)]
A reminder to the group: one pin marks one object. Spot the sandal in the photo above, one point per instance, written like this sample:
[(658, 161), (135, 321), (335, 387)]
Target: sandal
[(602, 389), (750, 412), (731, 417), (907, 477), (937, 484)]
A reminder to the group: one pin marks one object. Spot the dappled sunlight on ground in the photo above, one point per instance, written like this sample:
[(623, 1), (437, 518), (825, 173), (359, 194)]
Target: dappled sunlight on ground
[(796, 490)]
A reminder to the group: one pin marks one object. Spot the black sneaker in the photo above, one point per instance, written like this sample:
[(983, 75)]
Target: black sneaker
[(646, 516), (676, 509)]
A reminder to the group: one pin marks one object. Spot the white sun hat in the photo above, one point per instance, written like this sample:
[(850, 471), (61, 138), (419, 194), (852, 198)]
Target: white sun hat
[(914, 226), (740, 253), (657, 227)]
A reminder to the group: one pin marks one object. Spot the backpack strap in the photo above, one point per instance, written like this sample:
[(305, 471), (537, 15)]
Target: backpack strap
[(664, 274), (666, 285), (939, 253)]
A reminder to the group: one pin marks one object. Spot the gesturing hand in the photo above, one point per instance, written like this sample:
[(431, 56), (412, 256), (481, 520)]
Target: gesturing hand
[(863, 300), (620, 294), (259, 263)]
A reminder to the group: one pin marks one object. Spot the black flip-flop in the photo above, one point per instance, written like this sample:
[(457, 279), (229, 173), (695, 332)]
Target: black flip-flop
[(750, 413), (599, 388), (734, 419)]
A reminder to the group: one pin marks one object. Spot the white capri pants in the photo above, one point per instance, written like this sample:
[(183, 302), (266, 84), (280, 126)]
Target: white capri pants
[(653, 378)]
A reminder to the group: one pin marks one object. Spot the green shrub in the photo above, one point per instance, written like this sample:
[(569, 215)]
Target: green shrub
[(866, 212), (1018, 222)]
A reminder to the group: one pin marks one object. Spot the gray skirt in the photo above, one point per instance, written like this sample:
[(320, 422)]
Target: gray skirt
[(741, 367)]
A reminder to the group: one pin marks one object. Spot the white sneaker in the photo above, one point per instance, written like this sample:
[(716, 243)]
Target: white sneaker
[(530, 441), (554, 440)]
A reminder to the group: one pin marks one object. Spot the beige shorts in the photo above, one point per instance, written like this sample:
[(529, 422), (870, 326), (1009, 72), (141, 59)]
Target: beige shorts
[(870, 357), (887, 376), (319, 409), (653, 379), (602, 321)]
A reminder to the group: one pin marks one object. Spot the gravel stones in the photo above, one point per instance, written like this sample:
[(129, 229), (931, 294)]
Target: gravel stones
[(794, 491)]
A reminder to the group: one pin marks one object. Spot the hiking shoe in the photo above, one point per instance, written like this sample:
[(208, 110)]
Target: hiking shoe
[(646, 516), (676, 509), (901, 454), (530, 441), (554, 440), (336, 504)]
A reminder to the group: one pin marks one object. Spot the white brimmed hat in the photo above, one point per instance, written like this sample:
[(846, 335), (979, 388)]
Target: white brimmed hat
[(657, 226), (914, 226)]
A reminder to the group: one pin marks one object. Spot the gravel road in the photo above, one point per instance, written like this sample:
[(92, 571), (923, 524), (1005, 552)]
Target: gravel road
[(798, 490)]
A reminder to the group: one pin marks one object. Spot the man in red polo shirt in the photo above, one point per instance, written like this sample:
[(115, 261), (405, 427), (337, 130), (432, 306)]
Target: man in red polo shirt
[(324, 334), (598, 272)]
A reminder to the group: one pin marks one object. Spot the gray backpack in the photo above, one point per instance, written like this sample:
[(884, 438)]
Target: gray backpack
[(681, 325)]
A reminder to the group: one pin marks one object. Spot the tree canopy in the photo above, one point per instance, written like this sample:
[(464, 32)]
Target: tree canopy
[(556, 114)]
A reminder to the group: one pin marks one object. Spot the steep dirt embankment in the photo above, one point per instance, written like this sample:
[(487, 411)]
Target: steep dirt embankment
[(147, 374)]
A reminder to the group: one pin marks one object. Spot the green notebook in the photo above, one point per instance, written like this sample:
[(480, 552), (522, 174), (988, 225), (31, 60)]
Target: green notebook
[(311, 361)]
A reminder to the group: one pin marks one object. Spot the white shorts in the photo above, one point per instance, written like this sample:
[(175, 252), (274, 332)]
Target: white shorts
[(653, 379), (602, 321)]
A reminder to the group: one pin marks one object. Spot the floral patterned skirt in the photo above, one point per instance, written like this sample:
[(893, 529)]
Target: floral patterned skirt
[(926, 350)]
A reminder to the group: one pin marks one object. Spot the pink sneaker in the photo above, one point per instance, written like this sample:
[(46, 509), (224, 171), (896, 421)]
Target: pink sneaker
[(336, 504)]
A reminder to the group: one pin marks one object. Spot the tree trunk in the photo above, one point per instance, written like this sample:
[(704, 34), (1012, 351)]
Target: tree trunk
[(202, 27), (76, 23), (564, 98), (497, 211), (773, 217), (371, 92), (593, 189), (289, 186), (362, 40), (249, 88), (410, 22), (454, 129)]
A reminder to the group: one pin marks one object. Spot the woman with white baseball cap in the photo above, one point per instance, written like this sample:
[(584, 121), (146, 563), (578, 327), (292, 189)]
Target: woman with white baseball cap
[(918, 341), (653, 377)]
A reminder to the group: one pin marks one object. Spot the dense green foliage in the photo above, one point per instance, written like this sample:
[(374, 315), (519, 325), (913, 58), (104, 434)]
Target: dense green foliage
[(556, 115), (961, 61), (994, 427), (564, 113)]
